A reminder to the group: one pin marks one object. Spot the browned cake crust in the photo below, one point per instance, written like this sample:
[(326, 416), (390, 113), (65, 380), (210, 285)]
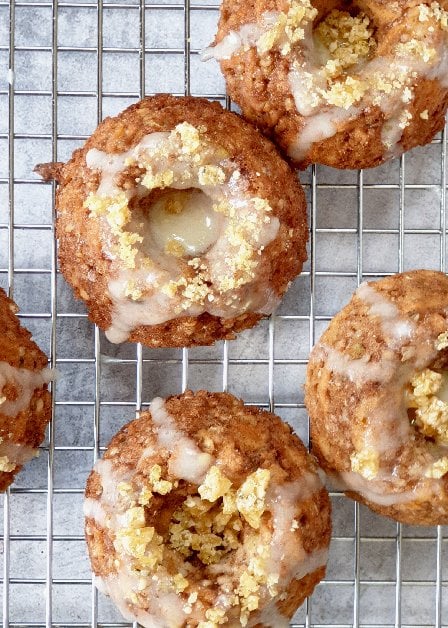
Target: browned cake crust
[(21, 432), (82, 258), (259, 82), (375, 395), (242, 442)]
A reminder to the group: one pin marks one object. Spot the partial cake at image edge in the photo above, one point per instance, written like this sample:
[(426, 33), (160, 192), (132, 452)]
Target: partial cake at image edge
[(25, 401)]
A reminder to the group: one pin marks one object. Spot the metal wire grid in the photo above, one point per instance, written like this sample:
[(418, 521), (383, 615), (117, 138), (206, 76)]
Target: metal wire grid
[(341, 600)]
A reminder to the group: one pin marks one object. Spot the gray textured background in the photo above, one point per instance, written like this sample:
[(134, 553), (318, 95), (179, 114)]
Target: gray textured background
[(364, 225)]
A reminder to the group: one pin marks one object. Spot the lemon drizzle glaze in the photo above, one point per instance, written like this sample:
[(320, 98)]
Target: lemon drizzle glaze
[(286, 555), (187, 461), (151, 290), (383, 81), (352, 481)]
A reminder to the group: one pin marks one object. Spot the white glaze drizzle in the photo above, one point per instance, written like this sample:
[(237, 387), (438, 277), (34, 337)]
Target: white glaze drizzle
[(358, 370), (25, 381), (187, 461), (320, 126), (93, 509), (350, 481), (288, 555), (323, 121), (271, 616), (394, 325), (244, 38), (110, 164)]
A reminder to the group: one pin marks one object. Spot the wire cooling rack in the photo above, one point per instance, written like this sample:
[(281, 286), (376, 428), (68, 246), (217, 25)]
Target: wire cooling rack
[(66, 66)]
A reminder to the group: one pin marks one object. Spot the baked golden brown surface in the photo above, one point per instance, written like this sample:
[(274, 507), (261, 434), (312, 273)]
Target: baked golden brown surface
[(345, 84), (103, 228), (205, 510), (25, 402), (376, 394)]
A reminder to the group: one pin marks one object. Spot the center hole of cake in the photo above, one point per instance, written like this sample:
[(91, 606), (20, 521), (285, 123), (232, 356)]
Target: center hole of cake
[(343, 40), (427, 404), (204, 531), (183, 223)]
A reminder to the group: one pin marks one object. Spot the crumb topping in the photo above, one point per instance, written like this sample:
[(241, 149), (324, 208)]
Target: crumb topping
[(250, 497), (288, 29), (442, 341), (215, 616), (438, 469), (211, 175), (115, 209), (348, 39), (428, 411), (366, 462), (6, 465), (138, 541)]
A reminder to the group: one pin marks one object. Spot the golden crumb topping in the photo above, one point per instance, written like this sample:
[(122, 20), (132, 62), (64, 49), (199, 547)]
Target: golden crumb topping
[(416, 48), (117, 214), (161, 180), (219, 523), (366, 462), (208, 525), (433, 12), (140, 542), (347, 39), (288, 28), (158, 485), (180, 583), (428, 411), (6, 466), (438, 469), (345, 93), (442, 341), (211, 175), (215, 617), (250, 497), (215, 485), (426, 383), (189, 137), (253, 579)]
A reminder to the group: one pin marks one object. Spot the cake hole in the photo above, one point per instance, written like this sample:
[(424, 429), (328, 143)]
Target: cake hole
[(204, 532), (344, 39), (426, 398), (179, 538), (181, 223)]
